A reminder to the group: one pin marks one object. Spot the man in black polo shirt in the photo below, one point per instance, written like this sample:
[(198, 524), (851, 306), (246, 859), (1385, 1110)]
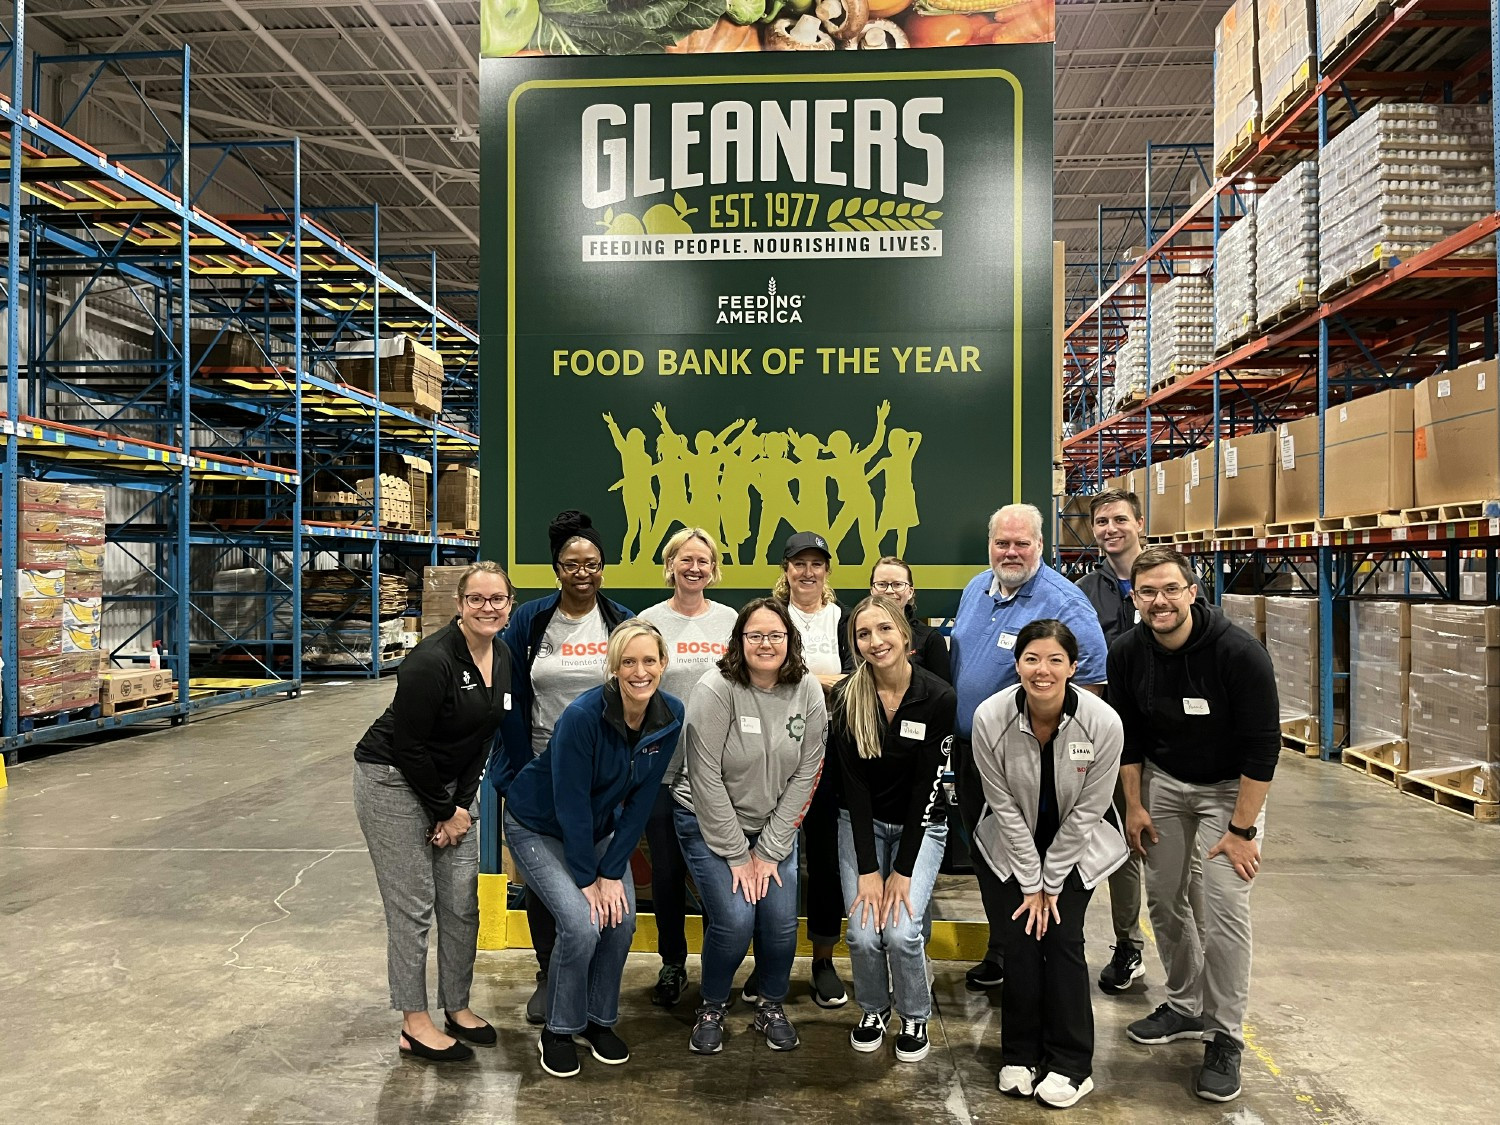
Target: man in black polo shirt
[(1197, 696)]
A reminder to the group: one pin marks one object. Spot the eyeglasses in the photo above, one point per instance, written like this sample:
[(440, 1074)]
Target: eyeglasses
[(1171, 593), (580, 568), (772, 639), (479, 601), (890, 587)]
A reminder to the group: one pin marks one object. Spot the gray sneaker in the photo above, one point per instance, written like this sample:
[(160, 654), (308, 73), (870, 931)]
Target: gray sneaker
[(708, 1031), (1219, 1080), (1164, 1025), (771, 1021)]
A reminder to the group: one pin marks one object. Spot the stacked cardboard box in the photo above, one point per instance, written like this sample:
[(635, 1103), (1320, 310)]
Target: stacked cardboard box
[(1247, 480), (1073, 531), (1340, 19), (395, 499), (417, 473), (1399, 180), (1163, 502), (1234, 282), (1286, 245), (1293, 643), (411, 373), (1236, 83), (119, 686), (439, 594), (336, 617), (1455, 685), (1367, 455), (1130, 372), (60, 594), (225, 347), (1379, 672), (1197, 475), (1248, 611), (1182, 341), (1285, 46), (458, 498), (1456, 436), (1297, 462)]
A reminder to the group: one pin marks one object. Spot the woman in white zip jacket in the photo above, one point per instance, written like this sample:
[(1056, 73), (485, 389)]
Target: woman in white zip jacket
[(1048, 756)]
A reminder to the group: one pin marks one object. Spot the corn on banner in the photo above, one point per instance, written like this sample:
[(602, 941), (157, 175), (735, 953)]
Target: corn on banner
[(757, 288)]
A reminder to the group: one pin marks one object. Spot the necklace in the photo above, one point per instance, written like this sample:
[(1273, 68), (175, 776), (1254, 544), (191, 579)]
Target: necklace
[(802, 615)]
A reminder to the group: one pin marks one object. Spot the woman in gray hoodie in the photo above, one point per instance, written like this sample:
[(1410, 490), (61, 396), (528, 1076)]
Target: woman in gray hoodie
[(1048, 756)]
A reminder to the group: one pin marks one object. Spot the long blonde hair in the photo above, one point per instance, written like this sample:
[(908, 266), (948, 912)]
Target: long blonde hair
[(856, 700)]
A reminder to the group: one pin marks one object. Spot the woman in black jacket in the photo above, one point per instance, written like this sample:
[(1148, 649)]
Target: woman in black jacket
[(416, 789), (891, 578)]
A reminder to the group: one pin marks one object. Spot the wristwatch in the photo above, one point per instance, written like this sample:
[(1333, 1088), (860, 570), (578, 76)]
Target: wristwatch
[(1243, 833)]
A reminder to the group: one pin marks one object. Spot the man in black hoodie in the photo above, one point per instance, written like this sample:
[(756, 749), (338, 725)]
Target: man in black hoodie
[(1197, 697)]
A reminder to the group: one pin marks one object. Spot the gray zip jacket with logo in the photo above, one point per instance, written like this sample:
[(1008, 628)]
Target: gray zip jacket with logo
[(1086, 762)]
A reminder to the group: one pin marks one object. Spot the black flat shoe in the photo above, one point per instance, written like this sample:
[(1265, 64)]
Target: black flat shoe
[(484, 1034), (459, 1052)]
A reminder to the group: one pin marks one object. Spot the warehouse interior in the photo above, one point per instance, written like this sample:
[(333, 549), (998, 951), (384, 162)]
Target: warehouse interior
[(1278, 327)]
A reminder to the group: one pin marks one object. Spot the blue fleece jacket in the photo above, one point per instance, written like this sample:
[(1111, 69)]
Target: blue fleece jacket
[(589, 783)]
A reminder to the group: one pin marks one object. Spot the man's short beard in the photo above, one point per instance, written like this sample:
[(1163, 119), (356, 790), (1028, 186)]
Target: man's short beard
[(1029, 575)]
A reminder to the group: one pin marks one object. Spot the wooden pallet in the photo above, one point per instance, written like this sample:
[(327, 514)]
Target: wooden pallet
[(1384, 761), (1249, 531), (1236, 342), (1473, 510), (1362, 522), (457, 529), (1285, 104), (1358, 277), (1302, 303), (1190, 536), (1248, 139), (140, 703), (1301, 736), (1333, 52), (1447, 791), (58, 718), (1292, 527)]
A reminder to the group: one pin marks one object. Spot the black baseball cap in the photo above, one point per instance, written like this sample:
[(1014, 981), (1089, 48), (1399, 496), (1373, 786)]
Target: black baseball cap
[(805, 541)]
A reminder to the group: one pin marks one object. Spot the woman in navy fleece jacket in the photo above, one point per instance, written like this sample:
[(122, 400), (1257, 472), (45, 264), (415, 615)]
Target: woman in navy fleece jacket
[(573, 818)]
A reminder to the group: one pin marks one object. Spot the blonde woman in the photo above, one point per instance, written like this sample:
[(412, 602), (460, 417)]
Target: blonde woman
[(891, 733), (696, 632), (416, 794), (573, 818)]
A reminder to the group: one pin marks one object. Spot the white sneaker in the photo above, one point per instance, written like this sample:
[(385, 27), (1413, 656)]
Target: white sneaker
[(1060, 1092), (1017, 1081)]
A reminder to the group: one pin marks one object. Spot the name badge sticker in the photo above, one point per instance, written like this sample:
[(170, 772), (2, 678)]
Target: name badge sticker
[(507, 701), (1080, 751), (749, 724), (910, 729), (1007, 641), (1195, 706)]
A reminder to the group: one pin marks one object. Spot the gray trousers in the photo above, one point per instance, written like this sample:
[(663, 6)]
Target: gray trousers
[(418, 882), (1125, 890), (1208, 973)]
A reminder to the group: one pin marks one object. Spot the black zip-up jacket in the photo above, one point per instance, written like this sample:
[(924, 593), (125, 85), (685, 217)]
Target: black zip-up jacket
[(930, 650), (527, 626), (1115, 609), (904, 785), (1161, 697), (438, 729)]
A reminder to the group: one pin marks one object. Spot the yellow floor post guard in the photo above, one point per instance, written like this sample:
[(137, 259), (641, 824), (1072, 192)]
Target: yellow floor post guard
[(503, 928)]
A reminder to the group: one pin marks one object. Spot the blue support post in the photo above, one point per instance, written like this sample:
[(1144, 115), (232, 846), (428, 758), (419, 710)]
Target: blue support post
[(10, 522)]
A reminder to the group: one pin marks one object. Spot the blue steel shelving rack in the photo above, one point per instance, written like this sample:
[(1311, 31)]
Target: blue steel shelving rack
[(1428, 313), (164, 427)]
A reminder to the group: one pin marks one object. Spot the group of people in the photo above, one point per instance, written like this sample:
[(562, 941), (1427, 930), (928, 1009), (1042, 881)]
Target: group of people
[(1088, 731)]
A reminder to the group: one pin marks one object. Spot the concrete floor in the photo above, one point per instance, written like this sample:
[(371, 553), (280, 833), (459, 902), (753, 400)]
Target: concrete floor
[(189, 932)]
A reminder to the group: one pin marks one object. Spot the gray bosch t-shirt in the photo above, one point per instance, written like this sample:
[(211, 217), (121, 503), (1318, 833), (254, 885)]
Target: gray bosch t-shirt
[(569, 661), (694, 646)]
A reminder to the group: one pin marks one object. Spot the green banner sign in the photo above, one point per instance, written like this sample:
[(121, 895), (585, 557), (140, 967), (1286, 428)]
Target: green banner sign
[(766, 293)]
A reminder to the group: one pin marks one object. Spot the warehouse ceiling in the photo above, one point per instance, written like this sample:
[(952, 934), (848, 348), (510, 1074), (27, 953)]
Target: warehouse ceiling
[(384, 95)]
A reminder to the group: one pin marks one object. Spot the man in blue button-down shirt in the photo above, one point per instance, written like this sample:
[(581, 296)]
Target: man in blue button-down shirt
[(1017, 590)]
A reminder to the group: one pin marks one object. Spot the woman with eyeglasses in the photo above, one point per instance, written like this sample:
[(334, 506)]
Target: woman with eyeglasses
[(754, 733), (558, 645), (573, 818), (891, 578), (1047, 756), (416, 790), (696, 631), (891, 734), (815, 612)]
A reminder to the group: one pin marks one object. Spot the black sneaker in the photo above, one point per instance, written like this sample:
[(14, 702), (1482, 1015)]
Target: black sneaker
[(1123, 968), (708, 1031), (986, 974), (911, 1041), (869, 1032), (1164, 1025), (559, 1055), (750, 994), (536, 1007), (604, 1044), (827, 990), (771, 1021), (1219, 1080), (670, 984)]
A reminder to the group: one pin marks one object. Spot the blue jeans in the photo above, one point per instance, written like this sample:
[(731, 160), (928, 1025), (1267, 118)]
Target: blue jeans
[(730, 921), (891, 962), (583, 978)]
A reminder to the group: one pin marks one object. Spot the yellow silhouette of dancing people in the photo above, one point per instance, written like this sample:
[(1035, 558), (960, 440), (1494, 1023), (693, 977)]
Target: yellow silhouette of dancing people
[(634, 485), (898, 506), (848, 469)]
